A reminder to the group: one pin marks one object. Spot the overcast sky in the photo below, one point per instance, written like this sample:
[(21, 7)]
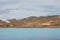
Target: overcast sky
[(25, 8)]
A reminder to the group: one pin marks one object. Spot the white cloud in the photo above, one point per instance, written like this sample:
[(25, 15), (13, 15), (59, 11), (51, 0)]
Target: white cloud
[(24, 8)]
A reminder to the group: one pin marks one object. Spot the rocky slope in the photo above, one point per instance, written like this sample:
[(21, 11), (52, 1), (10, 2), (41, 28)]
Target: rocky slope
[(34, 22)]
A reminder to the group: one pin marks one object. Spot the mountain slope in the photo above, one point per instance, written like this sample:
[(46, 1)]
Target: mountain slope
[(35, 22)]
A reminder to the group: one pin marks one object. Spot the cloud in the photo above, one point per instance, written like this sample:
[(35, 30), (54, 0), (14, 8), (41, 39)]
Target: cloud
[(25, 8)]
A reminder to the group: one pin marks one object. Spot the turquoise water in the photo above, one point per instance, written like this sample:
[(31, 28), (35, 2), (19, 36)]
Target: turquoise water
[(29, 33)]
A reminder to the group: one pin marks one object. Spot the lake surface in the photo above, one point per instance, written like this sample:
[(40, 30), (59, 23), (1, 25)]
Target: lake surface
[(29, 33)]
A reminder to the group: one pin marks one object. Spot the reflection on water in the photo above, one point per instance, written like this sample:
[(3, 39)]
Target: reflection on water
[(29, 33)]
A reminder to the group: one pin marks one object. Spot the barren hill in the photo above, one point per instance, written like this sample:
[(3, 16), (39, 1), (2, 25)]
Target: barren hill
[(35, 22)]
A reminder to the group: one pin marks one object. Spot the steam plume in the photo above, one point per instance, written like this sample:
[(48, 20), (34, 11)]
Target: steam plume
[(1, 18)]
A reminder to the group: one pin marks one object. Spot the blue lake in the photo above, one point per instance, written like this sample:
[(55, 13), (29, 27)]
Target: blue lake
[(29, 33)]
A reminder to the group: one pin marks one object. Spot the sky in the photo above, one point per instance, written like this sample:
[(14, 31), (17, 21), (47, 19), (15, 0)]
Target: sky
[(22, 33), (24, 8)]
